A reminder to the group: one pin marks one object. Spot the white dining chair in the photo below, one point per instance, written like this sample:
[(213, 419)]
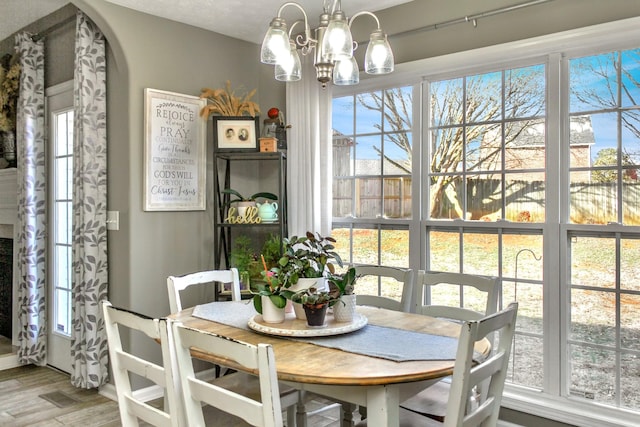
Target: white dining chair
[(383, 274), (124, 363), (258, 402), (489, 375), (432, 402), (177, 284)]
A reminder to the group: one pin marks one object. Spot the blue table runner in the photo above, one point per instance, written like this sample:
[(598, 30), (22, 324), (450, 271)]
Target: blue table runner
[(388, 343)]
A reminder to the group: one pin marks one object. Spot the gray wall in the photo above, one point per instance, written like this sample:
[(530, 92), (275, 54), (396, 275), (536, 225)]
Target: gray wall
[(145, 51)]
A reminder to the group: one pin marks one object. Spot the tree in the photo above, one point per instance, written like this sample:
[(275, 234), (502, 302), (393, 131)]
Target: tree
[(609, 157), (595, 84), (396, 107), (476, 101)]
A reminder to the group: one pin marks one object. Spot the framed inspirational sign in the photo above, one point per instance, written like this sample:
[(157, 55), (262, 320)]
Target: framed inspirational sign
[(174, 158)]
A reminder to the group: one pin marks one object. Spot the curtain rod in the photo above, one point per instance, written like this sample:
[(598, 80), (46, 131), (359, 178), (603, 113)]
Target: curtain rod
[(469, 18), (51, 29)]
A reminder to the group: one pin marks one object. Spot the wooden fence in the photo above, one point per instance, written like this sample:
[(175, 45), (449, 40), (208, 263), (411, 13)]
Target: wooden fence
[(591, 203)]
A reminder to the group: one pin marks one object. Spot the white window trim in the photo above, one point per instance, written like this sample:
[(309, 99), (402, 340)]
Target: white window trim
[(616, 35)]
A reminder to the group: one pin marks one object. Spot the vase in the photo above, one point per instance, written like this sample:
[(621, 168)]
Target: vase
[(271, 313), (9, 148), (345, 308), (315, 314), (303, 283), (245, 280)]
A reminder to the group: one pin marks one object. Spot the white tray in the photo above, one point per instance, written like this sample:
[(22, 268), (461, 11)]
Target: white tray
[(293, 327)]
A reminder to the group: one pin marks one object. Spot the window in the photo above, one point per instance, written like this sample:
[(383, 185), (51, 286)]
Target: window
[(604, 327), (486, 154), (372, 161), (62, 219), (528, 172)]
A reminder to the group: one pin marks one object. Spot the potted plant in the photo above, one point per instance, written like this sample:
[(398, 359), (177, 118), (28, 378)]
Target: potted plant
[(243, 202), (341, 286), (244, 258), (315, 304), (304, 263), (309, 256), (272, 250), (270, 299)]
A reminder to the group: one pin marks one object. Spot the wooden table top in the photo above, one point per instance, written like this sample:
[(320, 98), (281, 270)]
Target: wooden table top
[(308, 363)]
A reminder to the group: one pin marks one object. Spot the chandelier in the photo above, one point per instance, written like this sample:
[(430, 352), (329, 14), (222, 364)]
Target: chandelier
[(333, 45)]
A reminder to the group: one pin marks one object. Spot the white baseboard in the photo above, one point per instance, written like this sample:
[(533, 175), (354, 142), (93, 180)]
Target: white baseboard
[(8, 361)]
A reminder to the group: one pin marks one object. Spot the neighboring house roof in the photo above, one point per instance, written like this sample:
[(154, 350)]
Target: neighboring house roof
[(340, 140), (581, 134)]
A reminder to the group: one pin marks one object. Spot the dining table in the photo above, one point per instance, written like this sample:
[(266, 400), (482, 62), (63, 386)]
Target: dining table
[(379, 360)]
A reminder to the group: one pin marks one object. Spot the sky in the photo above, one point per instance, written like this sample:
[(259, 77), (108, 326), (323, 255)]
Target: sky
[(594, 74)]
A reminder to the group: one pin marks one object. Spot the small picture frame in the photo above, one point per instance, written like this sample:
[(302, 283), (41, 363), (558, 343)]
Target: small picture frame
[(235, 134)]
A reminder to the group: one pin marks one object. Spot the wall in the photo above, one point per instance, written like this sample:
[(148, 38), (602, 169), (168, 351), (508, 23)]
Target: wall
[(146, 51), (544, 18)]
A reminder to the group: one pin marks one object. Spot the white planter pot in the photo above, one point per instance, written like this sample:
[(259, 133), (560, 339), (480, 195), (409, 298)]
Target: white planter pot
[(243, 206), (271, 313), (344, 309), (304, 283)]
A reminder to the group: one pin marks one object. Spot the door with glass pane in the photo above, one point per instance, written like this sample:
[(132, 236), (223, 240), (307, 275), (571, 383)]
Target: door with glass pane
[(60, 154)]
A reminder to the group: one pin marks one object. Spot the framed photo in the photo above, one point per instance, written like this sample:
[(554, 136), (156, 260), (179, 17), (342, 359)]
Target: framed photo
[(174, 152), (235, 133)]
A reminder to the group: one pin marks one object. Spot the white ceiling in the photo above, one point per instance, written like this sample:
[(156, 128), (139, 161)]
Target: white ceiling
[(16, 14), (242, 19)]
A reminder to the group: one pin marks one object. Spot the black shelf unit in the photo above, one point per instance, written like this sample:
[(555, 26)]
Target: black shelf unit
[(224, 233)]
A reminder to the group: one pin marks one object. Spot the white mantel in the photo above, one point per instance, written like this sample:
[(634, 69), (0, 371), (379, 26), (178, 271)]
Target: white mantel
[(8, 201)]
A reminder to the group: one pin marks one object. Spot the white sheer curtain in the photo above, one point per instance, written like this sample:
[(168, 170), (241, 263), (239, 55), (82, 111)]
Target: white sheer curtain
[(309, 154)]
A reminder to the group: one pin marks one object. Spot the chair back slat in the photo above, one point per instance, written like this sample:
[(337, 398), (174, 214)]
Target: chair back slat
[(404, 276), (176, 284), (428, 280), (141, 367)]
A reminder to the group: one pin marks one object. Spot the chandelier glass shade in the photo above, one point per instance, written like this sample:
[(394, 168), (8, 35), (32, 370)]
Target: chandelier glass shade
[(332, 45)]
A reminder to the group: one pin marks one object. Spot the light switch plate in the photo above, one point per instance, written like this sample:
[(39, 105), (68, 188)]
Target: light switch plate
[(113, 220)]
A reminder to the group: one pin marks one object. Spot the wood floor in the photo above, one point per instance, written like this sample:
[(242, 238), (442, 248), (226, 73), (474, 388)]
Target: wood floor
[(43, 397)]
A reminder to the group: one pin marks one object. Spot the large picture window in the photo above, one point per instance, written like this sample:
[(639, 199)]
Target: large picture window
[(526, 175)]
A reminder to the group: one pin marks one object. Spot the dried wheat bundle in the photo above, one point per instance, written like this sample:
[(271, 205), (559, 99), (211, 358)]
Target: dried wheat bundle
[(225, 103)]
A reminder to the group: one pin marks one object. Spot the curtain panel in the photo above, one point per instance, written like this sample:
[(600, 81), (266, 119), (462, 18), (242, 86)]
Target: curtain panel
[(89, 351), (309, 154), (31, 222)]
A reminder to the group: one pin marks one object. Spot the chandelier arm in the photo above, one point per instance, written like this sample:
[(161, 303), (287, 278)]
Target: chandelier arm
[(364, 12), (307, 29), (333, 6), (304, 41)]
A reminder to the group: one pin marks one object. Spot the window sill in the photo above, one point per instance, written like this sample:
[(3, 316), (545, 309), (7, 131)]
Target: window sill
[(567, 410)]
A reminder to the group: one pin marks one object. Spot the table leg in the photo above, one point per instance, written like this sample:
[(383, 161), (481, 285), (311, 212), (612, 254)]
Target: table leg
[(383, 406), (347, 414)]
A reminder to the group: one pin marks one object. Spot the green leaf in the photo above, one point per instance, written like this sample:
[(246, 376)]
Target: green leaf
[(234, 192), (264, 195), (278, 300), (257, 303)]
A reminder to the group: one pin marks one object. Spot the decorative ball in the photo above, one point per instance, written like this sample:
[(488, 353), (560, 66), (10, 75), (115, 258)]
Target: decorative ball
[(273, 113)]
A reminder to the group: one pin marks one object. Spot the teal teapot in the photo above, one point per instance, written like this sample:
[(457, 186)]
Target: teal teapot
[(268, 211)]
